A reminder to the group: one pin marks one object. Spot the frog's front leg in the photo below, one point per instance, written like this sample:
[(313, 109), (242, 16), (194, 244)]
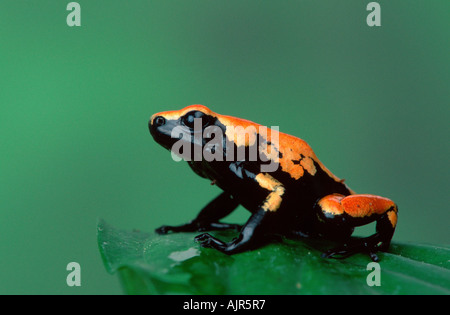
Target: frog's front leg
[(208, 218), (253, 234), (250, 237)]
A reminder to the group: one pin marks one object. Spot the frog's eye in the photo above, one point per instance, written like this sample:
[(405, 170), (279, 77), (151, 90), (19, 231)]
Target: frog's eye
[(189, 119)]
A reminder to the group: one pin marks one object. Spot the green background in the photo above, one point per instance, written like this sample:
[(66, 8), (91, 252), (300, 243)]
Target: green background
[(74, 105)]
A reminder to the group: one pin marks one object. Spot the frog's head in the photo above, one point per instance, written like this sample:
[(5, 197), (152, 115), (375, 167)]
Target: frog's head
[(181, 129), (197, 134)]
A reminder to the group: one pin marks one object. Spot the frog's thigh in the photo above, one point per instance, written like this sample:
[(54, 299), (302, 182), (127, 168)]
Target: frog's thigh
[(357, 210)]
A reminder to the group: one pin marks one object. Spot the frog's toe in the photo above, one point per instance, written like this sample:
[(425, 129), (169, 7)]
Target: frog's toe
[(209, 241), (349, 250), (202, 237), (338, 253), (162, 230)]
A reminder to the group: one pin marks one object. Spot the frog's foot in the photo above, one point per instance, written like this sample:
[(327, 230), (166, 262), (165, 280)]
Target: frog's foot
[(369, 245), (209, 241), (198, 226)]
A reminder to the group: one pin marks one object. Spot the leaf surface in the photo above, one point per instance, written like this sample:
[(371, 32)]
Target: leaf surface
[(148, 263)]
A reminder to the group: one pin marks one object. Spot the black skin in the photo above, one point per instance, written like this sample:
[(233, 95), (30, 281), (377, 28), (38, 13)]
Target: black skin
[(297, 216)]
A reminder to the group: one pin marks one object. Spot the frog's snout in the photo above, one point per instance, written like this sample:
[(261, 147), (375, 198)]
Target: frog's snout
[(161, 130)]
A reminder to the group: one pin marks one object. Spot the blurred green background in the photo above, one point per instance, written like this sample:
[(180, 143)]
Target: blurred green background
[(74, 105)]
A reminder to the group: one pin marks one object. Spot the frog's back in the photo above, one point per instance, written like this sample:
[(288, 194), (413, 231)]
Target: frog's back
[(298, 160)]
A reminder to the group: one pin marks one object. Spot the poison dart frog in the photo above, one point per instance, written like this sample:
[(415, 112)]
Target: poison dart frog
[(298, 198)]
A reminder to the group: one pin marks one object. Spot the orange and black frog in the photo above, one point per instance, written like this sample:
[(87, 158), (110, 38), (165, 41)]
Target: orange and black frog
[(277, 177)]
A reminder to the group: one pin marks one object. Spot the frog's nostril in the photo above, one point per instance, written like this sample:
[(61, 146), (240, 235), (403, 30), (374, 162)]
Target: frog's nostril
[(159, 121)]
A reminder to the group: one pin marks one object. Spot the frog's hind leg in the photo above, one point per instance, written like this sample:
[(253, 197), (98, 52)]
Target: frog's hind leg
[(347, 212)]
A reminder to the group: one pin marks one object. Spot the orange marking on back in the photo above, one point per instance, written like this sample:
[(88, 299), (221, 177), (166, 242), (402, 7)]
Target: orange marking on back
[(289, 146), (175, 114)]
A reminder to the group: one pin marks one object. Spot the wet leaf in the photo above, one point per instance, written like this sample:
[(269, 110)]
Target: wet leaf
[(148, 263)]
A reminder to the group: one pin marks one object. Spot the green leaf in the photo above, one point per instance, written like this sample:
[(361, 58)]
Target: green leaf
[(148, 263)]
